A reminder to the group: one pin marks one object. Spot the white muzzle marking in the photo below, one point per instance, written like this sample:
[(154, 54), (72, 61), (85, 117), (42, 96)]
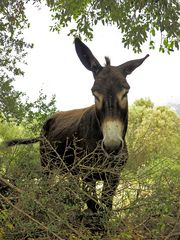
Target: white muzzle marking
[(112, 133)]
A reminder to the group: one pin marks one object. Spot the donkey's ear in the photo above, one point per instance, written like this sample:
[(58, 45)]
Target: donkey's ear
[(86, 56), (128, 67)]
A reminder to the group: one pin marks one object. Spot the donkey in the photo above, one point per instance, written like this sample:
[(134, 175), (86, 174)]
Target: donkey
[(90, 142)]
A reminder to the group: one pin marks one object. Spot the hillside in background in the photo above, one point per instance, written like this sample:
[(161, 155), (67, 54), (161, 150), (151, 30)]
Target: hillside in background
[(175, 107)]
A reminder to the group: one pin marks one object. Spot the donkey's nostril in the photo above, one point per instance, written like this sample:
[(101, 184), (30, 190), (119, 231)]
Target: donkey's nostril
[(113, 149)]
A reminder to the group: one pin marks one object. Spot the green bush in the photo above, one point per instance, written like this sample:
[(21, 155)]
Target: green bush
[(146, 202)]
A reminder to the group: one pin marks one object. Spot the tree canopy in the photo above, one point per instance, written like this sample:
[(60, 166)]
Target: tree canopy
[(12, 45), (139, 21), (13, 50)]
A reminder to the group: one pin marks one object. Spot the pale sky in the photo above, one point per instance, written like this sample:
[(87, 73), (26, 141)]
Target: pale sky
[(54, 66)]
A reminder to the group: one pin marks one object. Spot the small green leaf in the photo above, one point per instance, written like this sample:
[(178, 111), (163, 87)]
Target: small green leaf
[(152, 31)]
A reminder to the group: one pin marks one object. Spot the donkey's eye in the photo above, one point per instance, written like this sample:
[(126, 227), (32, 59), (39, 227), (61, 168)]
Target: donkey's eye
[(122, 98), (98, 99), (125, 94), (97, 96)]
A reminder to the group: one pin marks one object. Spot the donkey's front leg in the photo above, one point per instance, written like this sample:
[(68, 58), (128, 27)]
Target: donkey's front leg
[(109, 187), (89, 187)]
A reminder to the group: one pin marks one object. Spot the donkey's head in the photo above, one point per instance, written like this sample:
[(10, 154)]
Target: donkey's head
[(110, 90)]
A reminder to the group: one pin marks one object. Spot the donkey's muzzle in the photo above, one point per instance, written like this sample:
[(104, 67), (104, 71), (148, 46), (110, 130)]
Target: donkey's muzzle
[(112, 150), (112, 136)]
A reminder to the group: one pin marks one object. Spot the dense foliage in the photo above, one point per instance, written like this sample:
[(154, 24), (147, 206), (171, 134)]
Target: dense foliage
[(12, 45), (146, 202), (139, 21), (14, 105), (13, 108)]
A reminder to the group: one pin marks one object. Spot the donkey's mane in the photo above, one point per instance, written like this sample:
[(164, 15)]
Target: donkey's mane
[(108, 62)]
